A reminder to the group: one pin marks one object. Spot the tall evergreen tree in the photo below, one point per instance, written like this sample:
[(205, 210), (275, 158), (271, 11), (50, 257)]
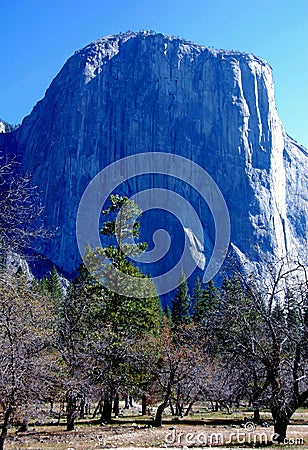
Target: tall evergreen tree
[(210, 297), (205, 301), (181, 303), (127, 316), (54, 284), (124, 311), (51, 284), (197, 300), (168, 315)]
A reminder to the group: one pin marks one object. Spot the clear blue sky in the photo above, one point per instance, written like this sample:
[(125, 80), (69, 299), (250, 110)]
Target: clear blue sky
[(37, 37)]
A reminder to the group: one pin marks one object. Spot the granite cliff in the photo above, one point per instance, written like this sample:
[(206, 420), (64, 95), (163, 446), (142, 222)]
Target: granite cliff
[(145, 92)]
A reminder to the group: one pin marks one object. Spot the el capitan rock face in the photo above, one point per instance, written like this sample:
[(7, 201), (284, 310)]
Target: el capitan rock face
[(142, 92)]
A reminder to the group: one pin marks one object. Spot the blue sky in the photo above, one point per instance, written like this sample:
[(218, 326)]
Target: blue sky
[(37, 37)]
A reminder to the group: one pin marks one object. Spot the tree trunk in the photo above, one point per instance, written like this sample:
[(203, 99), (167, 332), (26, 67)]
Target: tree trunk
[(82, 409), (159, 413), (116, 405), (97, 409), (191, 404), (71, 410), (51, 407), (107, 408), (280, 428), (256, 413), (144, 405), (70, 420), (5, 427), (61, 410), (126, 399)]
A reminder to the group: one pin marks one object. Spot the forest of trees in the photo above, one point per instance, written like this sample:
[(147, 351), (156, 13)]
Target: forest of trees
[(78, 351)]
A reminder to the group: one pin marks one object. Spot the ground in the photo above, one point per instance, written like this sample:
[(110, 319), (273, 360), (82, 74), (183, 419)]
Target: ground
[(196, 432), (95, 437), (132, 435)]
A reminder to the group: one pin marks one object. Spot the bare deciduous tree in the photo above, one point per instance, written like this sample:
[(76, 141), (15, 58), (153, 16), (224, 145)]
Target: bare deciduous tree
[(20, 210), (269, 326), (26, 357)]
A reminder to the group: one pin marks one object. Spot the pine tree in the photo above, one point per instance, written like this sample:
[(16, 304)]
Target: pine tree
[(168, 317), (205, 301), (54, 284), (181, 303), (128, 317), (50, 285), (210, 297), (126, 311), (197, 300)]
